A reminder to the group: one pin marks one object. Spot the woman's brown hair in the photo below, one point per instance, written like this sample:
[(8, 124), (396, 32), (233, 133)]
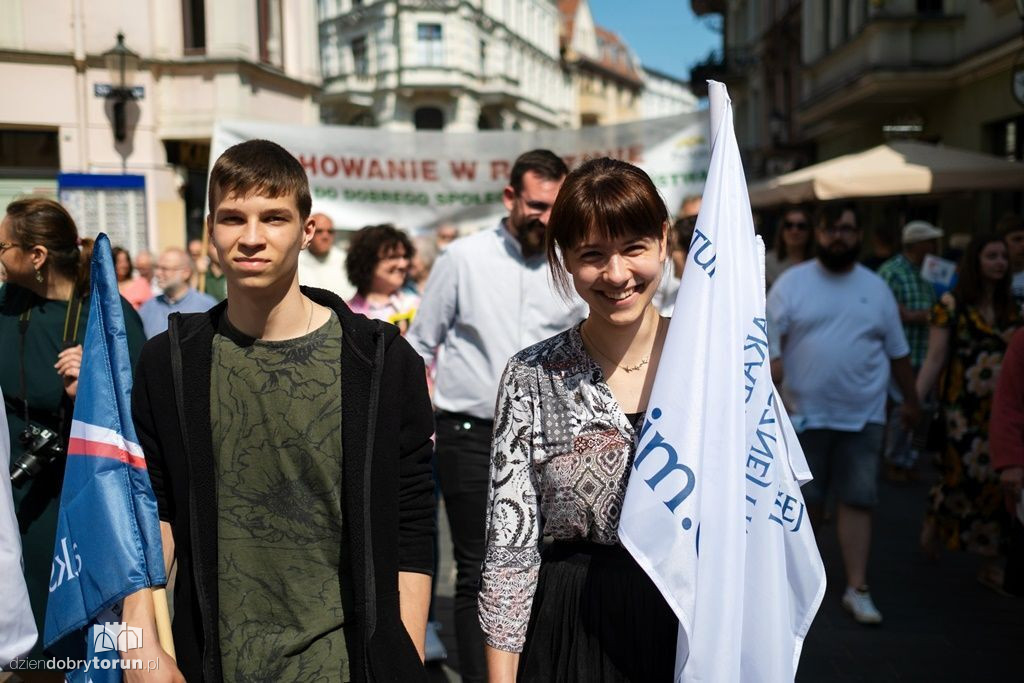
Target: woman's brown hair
[(969, 289), (604, 198), (780, 248), (37, 221)]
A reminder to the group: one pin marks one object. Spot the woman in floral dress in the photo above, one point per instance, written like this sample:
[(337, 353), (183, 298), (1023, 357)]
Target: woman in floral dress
[(970, 329)]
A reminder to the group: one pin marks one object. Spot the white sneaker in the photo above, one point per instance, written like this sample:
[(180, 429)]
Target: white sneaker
[(857, 602)]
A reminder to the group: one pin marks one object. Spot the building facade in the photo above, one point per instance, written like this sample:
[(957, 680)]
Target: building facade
[(197, 61), (665, 95), (454, 65), (606, 79), (814, 80)]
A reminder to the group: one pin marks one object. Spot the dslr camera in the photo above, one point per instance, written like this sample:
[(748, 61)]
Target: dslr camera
[(41, 448)]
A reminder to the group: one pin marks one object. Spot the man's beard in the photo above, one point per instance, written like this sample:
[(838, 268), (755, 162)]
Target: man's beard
[(531, 235), (837, 260)]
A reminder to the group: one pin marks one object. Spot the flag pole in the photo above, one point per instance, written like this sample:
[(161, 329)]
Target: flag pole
[(201, 280), (163, 620)]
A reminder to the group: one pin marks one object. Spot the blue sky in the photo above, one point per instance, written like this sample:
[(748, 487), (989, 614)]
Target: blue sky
[(663, 33)]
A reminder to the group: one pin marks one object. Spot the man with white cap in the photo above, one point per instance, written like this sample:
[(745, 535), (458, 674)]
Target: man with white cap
[(915, 297)]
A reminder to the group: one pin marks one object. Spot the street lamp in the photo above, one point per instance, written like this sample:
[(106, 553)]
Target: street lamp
[(121, 63)]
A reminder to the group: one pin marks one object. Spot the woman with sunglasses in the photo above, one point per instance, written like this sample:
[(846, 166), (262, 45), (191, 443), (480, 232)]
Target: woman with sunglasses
[(793, 244), (568, 414), (44, 306)]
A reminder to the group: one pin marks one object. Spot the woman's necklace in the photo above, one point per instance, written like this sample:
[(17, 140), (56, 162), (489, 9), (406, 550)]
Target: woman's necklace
[(627, 368)]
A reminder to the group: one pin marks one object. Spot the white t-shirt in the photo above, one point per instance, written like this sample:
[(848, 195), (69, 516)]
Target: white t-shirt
[(838, 333), (326, 273), (1017, 286)]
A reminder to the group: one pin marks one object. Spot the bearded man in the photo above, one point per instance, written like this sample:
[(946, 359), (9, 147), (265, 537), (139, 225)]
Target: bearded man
[(836, 337)]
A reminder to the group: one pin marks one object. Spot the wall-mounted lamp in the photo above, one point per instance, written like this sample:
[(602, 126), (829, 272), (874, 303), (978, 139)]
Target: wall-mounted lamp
[(122, 64)]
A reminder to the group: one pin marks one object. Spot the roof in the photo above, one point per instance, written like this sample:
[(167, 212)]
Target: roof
[(567, 9), (615, 55)]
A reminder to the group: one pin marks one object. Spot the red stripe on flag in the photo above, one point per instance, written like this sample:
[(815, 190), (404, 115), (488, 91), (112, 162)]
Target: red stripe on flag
[(78, 446)]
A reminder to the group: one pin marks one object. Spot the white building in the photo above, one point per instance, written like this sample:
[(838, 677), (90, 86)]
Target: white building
[(455, 65), (665, 95), (200, 61)]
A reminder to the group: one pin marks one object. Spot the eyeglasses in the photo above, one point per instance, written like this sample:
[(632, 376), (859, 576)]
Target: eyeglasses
[(798, 225), (4, 246), (841, 229)]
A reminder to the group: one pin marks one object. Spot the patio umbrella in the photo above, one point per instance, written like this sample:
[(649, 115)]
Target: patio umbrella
[(897, 168)]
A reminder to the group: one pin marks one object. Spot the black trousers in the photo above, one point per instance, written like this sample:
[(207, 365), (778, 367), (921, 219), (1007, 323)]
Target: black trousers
[(463, 446)]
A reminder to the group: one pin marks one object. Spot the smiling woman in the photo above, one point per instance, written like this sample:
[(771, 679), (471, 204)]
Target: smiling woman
[(378, 265), (570, 407)]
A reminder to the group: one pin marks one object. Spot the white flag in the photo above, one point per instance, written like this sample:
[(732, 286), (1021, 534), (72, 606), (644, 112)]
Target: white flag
[(713, 510)]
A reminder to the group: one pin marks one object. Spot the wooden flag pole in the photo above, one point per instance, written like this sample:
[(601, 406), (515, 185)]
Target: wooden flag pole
[(201, 280), (163, 621)]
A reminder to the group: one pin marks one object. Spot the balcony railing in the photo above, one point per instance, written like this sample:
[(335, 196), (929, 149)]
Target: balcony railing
[(727, 66)]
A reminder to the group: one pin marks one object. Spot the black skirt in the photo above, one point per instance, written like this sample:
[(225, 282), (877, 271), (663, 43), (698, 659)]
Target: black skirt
[(597, 617)]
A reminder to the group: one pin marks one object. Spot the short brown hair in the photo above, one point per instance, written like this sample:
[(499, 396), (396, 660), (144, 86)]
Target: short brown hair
[(543, 162), (259, 167), (606, 198)]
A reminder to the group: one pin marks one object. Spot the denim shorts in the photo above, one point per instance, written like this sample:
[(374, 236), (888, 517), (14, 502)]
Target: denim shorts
[(845, 462)]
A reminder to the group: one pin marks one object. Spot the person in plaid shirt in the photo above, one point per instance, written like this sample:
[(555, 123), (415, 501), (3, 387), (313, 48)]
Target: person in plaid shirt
[(915, 297)]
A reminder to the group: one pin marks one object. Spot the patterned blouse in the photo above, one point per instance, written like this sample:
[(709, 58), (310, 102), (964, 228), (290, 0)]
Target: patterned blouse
[(559, 465)]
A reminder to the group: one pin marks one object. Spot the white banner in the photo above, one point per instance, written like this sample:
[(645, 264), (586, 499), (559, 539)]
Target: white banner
[(362, 176), (713, 510)]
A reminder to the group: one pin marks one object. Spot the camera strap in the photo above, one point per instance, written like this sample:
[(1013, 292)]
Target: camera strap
[(69, 338)]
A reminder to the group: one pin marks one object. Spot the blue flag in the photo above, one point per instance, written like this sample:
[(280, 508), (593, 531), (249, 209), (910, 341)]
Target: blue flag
[(108, 530)]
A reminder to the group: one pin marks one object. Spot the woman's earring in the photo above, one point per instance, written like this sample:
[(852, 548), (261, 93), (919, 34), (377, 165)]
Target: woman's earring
[(39, 276)]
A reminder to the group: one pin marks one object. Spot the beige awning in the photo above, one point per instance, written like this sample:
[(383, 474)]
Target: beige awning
[(898, 168)]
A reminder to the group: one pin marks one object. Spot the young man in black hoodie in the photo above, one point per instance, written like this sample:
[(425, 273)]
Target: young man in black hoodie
[(288, 443)]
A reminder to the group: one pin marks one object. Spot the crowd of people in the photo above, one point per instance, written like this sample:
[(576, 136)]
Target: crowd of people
[(298, 440)]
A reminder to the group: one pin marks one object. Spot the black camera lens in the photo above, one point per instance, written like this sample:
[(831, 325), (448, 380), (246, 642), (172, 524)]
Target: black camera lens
[(26, 467)]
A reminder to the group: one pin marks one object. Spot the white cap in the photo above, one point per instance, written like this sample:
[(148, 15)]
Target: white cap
[(919, 231)]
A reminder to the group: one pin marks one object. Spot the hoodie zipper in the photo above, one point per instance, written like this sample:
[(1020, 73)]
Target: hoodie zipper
[(371, 582), (193, 512)]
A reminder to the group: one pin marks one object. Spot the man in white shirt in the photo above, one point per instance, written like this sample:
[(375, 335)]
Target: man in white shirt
[(322, 264), (488, 296), (836, 338)]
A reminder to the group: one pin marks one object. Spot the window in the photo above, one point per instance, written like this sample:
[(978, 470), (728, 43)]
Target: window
[(29, 153), (1007, 138), (193, 20), (430, 48), (930, 6), (268, 17), (360, 62), (483, 57), (428, 118)]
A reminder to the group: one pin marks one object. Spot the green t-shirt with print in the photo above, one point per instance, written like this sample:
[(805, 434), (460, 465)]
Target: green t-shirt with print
[(275, 412)]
